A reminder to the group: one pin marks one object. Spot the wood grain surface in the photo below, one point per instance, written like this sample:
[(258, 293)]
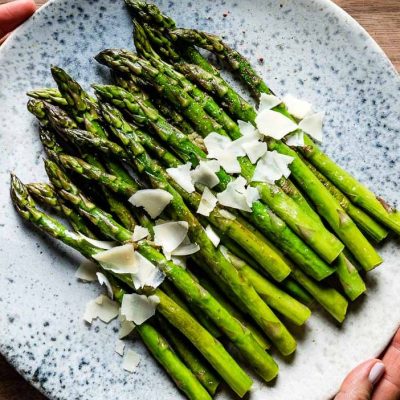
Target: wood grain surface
[(381, 18)]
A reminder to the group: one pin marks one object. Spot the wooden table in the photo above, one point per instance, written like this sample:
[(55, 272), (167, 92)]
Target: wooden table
[(380, 18)]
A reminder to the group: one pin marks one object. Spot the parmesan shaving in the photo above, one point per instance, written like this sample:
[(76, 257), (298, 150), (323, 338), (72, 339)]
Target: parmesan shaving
[(268, 101), (130, 361), (182, 176), (103, 308), (207, 203), (273, 124), (235, 195), (298, 108), (138, 308), (312, 125), (170, 235), (120, 259), (215, 239), (87, 271), (295, 139), (205, 173), (152, 200), (119, 347), (254, 150), (186, 249), (139, 233), (104, 281), (271, 167), (101, 244), (147, 273)]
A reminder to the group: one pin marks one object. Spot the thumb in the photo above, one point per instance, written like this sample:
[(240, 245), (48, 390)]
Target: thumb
[(15, 13), (360, 382)]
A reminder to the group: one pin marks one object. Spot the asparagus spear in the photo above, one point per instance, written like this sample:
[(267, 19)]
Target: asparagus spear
[(45, 194), (216, 262), (213, 351), (202, 372), (358, 193), (238, 334), (61, 121), (50, 95), (328, 247), (261, 251), (368, 225), (308, 228), (327, 206)]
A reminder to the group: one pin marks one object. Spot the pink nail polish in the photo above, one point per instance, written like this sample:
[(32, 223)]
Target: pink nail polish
[(376, 372)]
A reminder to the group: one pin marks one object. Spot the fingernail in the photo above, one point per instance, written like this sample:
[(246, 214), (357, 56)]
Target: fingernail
[(376, 372)]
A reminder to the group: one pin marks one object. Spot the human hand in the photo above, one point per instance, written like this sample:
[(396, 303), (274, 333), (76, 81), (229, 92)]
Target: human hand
[(375, 379), (14, 14)]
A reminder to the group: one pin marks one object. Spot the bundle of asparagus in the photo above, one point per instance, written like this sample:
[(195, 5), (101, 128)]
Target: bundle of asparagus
[(262, 238)]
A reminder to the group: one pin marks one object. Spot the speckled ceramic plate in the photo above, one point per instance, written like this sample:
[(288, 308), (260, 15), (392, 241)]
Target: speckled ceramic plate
[(311, 49)]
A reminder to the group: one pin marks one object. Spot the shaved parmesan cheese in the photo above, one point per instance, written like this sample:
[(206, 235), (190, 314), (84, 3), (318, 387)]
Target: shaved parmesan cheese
[(273, 124), (139, 233), (216, 144), (147, 273), (271, 167), (207, 203), (268, 101), (180, 261), (248, 130), (103, 308), (186, 249), (252, 195), (87, 271), (104, 281), (152, 200), (131, 361), (228, 215), (254, 150), (312, 125), (205, 173), (170, 235), (120, 259), (295, 139), (234, 195), (298, 108), (101, 244), (215, 239), (138, 308), (229, 162), (119, 347), (182, 176), (225, 252), (126, 327)]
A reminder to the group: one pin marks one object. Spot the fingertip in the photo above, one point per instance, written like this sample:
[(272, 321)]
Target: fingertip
[(15, 13), (376, 372)]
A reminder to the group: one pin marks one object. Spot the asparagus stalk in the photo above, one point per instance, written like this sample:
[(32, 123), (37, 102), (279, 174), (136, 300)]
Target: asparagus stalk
[(212, 350), (358, 193), (61, 121), (258, 249), (45, 194), (216, 262), (327, 206), (170, 290), (49, 95), (201, 371), (275, 228), (328, 247), (239, 335), (368, 225)]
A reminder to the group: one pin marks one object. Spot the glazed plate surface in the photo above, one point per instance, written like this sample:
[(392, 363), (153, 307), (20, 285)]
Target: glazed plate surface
[(311, 49)]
